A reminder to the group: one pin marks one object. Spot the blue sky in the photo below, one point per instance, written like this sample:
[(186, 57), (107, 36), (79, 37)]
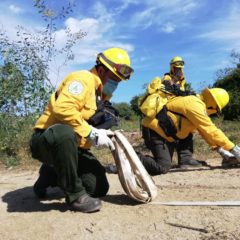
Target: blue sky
[(203, 32)]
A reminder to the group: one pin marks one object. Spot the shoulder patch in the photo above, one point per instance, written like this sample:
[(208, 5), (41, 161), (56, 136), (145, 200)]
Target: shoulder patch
[(75, 88)]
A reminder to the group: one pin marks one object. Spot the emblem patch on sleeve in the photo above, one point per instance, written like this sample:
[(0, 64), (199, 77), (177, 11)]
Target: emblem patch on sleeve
[(75, 88)]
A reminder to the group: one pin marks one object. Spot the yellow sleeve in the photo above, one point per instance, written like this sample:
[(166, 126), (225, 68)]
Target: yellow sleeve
[(68, 108), (196, 114), (166, 77), (181, 84)]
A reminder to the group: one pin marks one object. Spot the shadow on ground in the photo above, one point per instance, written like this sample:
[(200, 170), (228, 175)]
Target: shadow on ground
[(24, 200), (120, 199)]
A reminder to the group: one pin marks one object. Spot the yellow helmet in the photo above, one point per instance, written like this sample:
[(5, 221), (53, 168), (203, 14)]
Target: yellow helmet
[(177, 62), (215, 98), (117, 61)]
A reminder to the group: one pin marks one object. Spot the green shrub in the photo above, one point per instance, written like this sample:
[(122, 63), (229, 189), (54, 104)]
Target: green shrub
[(15, 133)]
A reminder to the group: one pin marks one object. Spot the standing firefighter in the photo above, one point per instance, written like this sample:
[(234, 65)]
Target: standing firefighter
[(63, 134), (183, 116), (175, 81)]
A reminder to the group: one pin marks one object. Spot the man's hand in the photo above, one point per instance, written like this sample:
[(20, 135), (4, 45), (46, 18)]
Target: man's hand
[(229, 159), (236, 152), (224, 153), (100, 138)]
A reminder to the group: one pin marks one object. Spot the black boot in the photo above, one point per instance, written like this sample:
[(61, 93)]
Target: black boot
[(230, 162), (86, 204), (47, 178), (190, 163)]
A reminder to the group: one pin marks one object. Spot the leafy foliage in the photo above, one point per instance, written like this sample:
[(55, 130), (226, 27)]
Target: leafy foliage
[(134, 105), (229, 79), (124, 110), (27, 60), (11, 87), (15, 133), (25, 64)]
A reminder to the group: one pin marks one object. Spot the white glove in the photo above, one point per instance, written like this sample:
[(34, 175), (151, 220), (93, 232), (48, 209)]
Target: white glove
[(99, 138), (225, 154), (236, 152)]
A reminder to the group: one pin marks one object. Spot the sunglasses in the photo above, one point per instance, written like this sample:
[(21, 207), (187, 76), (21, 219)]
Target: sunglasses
[(178, 64), (213, 110), (122, 69)]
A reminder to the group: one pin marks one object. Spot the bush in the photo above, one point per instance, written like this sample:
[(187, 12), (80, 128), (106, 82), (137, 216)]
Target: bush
[(15, 133), (124, 110)]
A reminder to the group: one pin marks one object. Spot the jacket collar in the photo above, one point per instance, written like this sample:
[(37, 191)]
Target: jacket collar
[(98, 82)]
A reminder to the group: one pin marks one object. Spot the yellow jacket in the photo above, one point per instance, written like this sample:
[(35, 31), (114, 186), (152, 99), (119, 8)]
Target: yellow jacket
[(194, 117), (73, 103), (181, 84)]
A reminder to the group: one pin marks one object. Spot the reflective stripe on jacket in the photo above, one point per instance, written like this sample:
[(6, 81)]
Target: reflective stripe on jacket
[(194, 117), (73, 103)]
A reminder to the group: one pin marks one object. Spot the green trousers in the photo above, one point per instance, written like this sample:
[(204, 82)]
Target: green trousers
[(163, 150), (77, 170)]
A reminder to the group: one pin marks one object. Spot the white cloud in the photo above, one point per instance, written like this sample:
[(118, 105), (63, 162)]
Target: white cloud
[(15, 9), (225, 29), (168, 27), (104, 15), (164, 14), (98, 38), (100, 31), (125, 4)]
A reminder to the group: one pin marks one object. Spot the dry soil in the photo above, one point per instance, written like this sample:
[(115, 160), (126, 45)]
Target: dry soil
[(23, 216)]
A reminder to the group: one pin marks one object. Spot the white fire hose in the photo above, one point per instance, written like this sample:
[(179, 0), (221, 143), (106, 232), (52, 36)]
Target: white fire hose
[(199, 203), (134, 178), (138, 184)]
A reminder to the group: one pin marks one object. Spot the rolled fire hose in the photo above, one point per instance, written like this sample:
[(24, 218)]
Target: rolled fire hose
[(138, 184), (134, 178)]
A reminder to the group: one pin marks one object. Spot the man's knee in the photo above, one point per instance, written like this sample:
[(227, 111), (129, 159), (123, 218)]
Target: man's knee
[(60, 133), (102, 190), (155, 167), (164, 168), (95, 185), (102, 185)]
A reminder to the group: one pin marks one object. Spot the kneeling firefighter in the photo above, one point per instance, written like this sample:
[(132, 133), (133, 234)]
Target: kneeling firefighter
[(180, 117), (75, 118), (175, 82), (176, 75)]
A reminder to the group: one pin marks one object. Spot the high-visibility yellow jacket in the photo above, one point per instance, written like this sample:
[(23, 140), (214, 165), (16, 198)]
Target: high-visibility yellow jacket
[(194, 117), (73, 103), (181, 84)]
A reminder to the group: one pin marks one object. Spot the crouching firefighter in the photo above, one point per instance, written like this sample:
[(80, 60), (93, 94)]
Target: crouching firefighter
[(76, 118), (175, 82), (179, 117)]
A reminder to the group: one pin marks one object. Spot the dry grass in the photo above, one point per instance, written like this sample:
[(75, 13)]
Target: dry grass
[(131, 129)]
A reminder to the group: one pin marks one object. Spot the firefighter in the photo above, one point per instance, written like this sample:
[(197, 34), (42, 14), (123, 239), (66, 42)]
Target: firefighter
[(175, 81), (183, 116), (176, 74), (63, 136)]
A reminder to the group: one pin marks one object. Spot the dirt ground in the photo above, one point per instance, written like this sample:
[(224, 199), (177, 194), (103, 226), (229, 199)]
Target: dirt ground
[(23, 216)]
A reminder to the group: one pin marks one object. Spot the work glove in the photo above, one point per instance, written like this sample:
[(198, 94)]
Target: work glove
[(225, 154), (100, 138), (229, 160), (236, 152)]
